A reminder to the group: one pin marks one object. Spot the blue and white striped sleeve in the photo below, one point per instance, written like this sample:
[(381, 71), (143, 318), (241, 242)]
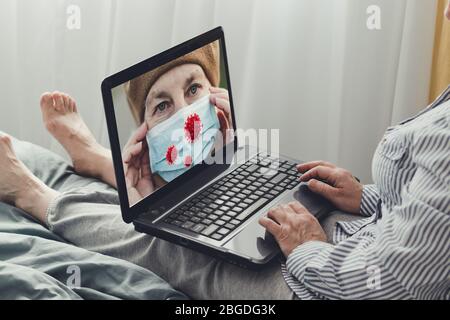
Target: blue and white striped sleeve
[(369, 200), (404, 257)]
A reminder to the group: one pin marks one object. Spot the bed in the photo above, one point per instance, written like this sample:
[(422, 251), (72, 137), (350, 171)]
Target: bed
[(37, 264)]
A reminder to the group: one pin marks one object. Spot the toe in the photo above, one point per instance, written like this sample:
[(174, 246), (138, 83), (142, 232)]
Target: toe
[(66, 100), (71, 103), (74, 106), (46, 100), (59, 101), (5, 141)]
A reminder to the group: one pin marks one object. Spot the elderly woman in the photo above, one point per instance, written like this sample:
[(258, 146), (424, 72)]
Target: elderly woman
[(399, 252), (187, 84)]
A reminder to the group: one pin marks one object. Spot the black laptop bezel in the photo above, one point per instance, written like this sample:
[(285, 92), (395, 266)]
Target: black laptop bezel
[(130, 213)]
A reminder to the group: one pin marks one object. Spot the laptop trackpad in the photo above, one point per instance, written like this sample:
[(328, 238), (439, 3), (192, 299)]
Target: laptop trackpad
[(253, 240)]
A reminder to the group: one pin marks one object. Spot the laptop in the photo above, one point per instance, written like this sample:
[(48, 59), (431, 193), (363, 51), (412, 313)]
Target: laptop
[(181, 174)]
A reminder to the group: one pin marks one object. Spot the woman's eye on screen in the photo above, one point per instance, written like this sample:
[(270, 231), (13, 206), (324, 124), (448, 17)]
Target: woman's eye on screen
[(161, 107), (193, 89)]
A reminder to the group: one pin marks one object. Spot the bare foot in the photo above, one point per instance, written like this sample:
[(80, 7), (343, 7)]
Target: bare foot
[(19, 187), (62, 120)]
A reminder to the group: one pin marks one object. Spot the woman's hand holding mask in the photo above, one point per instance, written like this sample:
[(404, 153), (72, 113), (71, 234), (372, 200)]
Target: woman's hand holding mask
[(220, 99), (136, 162)]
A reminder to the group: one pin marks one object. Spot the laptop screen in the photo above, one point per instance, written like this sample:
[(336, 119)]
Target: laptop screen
[(172, 118)]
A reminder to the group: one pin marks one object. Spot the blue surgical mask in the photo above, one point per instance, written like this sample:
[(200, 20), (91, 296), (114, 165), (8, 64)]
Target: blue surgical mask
[(183, 140)]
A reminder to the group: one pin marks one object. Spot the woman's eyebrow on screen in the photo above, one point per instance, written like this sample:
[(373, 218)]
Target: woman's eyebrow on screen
[(195, 75), (158, 95), (154, 97)]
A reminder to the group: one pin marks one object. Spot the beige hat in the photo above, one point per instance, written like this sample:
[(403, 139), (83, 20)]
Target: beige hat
[(137, 89)]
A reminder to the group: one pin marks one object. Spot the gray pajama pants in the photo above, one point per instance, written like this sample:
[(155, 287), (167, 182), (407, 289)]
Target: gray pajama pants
[(87, 214)]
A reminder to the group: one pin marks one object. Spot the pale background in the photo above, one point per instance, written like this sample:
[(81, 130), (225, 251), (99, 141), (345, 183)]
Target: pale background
[(308, 67)]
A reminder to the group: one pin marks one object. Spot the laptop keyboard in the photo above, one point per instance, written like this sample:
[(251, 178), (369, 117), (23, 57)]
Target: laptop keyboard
[(225, 205)]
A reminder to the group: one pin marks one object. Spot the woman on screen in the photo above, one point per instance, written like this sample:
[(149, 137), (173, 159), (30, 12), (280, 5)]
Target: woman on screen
[(182, 116)]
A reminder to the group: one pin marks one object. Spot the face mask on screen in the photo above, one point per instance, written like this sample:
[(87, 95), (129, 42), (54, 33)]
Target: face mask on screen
[(183, 140)]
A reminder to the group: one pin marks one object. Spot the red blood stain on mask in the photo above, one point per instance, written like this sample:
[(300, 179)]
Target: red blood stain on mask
[(171, 154), (192, 127), (187, 161)]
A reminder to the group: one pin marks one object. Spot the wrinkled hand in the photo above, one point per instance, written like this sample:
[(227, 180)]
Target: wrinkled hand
[(136, 163), (220, 98), (335, 184), (292, 225)]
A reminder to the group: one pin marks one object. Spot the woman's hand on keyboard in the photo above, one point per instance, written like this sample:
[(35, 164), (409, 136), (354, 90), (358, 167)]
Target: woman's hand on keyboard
[(335, 184)]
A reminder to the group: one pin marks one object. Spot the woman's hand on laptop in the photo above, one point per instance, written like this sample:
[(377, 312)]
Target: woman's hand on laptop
[(335, 184), (136, 164), (292, 225)]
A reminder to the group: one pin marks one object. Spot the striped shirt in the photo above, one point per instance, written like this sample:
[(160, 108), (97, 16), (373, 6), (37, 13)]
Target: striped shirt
[(401, 250)]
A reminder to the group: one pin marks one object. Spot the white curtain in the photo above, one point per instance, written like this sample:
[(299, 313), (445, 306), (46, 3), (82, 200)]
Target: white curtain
[(308, 67)]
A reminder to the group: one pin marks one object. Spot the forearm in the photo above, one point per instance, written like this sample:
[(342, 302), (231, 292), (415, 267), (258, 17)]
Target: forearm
[(402, 257), (346, 271)]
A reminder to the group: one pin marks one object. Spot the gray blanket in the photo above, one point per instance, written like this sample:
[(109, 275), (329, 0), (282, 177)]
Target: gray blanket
[(37, 264)]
